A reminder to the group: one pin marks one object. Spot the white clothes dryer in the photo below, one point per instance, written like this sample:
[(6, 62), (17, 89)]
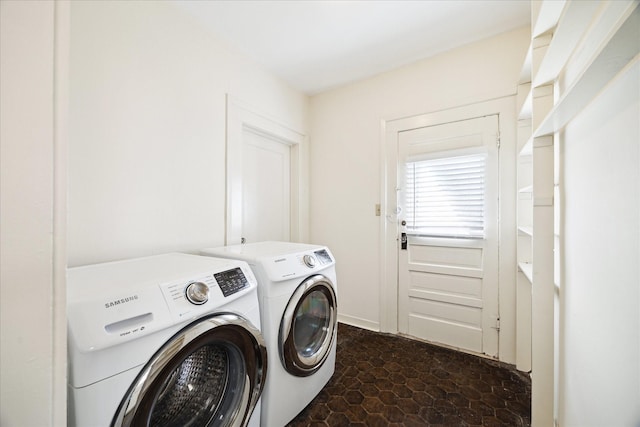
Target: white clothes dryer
[(297, 290), (167, 340)]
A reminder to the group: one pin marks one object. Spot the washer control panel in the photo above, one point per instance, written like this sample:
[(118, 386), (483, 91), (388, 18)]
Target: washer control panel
[(188, 298), (111, 303), (231, 281)]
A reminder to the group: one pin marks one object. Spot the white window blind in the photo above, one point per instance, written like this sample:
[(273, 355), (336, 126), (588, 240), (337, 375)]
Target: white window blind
[(445, 197)]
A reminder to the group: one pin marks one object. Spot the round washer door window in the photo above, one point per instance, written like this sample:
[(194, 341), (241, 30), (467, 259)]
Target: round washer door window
[(211, 373), (308, 326)]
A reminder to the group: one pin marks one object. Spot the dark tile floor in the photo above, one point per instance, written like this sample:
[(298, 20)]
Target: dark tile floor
[(387, 380)]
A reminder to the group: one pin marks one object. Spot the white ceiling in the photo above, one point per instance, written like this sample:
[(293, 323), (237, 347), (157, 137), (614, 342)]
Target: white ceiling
[(318, 45)]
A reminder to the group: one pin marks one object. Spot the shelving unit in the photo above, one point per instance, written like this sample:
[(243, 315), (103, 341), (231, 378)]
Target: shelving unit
[(524, 220), (578, 50), (535, 315)]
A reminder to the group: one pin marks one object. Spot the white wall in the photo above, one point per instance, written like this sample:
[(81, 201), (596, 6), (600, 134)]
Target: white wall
[(346, 170), (32, 311), (147, 92), (147, 132), (600, 299)]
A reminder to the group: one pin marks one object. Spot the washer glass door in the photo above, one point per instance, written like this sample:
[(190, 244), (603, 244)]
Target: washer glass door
[(308, 327), (211, 373)]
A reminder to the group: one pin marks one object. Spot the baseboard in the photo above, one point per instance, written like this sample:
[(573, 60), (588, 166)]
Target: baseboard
[(359, 323)]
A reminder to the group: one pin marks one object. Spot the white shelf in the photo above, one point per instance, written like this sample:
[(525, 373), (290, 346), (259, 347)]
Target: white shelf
[(527, 148), (613, 58), (527, 189), (572, 24), (610, 18), (525, 72), (527, 269), (548, 17), (526, 230), (525, 110)]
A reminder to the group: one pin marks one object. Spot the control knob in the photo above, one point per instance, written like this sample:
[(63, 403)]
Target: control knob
[(309, 260), (197, 293)]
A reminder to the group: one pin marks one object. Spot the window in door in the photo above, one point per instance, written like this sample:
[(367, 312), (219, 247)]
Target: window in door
[(445, 196)]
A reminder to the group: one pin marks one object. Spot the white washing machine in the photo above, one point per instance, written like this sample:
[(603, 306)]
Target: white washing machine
[(167, 340), (298, 305)]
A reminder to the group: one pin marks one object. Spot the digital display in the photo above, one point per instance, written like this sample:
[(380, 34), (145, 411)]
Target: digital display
[(323, 256), (231, 281)]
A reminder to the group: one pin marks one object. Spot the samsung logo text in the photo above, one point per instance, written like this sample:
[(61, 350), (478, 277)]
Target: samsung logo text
[(120, 301)]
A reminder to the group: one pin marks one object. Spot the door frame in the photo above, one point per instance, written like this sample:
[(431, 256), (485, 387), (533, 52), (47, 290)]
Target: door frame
[(505, 108), (241, 117)]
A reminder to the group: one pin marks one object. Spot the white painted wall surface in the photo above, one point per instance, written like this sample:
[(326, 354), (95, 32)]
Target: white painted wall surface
[(145, 162), (147, 129), (600, 299), (32, 311), (346, 167)]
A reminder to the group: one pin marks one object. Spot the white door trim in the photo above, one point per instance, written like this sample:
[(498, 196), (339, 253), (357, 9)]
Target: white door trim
[(505, 108), (241, 117)]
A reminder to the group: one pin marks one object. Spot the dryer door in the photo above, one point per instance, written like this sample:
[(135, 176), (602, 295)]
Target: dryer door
[(308, 326), (210, 373)]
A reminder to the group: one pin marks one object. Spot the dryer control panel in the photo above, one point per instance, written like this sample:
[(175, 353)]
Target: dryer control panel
[(291, 266), (311, 260)]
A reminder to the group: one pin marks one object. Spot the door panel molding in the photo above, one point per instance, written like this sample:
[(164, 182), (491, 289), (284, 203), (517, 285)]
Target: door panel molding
[(242, 118)]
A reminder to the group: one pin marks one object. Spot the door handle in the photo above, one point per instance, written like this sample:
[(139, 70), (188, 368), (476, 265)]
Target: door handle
[(403, 241)]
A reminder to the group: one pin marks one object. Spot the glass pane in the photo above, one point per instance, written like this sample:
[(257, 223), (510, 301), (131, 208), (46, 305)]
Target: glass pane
[(445, 197), (311, 324)]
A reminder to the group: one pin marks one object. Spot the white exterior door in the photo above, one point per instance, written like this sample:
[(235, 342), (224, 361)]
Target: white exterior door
[(266, 188), (448, 255)]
